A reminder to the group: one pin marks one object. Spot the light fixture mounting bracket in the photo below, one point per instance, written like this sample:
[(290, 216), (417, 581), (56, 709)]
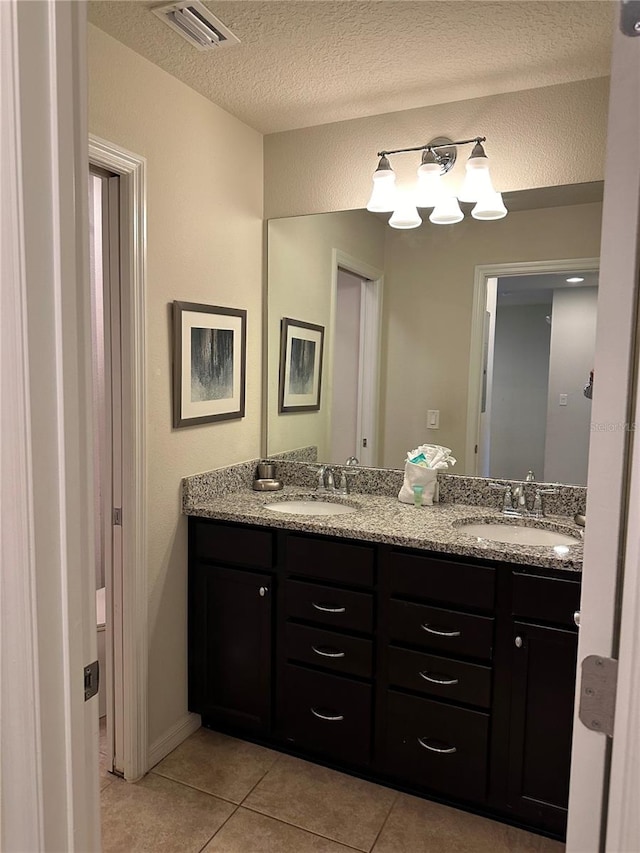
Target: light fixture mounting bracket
[(445, 153)]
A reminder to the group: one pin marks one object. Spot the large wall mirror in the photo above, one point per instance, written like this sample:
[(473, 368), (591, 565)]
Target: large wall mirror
[(468, 335)]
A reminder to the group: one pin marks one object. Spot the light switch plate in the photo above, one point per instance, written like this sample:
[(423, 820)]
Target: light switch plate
[(563, 399), (433, 419)]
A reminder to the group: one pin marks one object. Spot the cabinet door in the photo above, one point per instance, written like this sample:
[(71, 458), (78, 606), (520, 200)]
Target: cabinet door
[(542, 699), (230, 645)]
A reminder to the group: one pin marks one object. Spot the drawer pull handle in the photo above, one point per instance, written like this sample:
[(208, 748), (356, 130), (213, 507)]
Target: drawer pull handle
[(434, 679), (438, 631), (327, 652), (327, 608), (443, 750), (327, 716)]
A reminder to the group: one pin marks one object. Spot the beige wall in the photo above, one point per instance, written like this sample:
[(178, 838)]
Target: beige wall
[(300, 270), (535, 138), (205, 188), (429, 275)]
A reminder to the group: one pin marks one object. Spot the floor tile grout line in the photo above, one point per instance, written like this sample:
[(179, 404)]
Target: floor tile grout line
[(195, 788), (224, 823), (384, 822), (266, 772), (303, 829)]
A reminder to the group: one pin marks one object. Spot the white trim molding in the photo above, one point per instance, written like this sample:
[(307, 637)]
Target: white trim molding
[(132, 170), (49, 798), (482, 273), (173, 737)]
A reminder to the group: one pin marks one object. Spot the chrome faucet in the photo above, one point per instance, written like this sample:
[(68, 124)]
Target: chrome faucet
[(514, 502)]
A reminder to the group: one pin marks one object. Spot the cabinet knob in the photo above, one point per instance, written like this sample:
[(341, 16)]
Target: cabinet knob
[(576, 618), (263, 591), (518, 642)]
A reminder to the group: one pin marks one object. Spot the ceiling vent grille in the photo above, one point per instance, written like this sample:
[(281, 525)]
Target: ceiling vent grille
[(196, 24)]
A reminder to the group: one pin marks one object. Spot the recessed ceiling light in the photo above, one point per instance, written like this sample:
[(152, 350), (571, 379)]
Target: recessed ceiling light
[(575, 280)]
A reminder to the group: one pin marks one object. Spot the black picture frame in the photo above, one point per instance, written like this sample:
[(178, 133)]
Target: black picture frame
[(209, 363), (301, 351)]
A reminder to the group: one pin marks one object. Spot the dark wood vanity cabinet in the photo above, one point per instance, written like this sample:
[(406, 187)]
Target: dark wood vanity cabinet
[(447, 676), (231, 626), (543, 672)]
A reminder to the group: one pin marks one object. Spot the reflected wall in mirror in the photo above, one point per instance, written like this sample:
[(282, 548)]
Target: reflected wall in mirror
[(402, 335)]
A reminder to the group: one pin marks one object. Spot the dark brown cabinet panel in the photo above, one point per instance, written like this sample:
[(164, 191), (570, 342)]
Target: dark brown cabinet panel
[(233, 544), (326, 605), (545, 599), (442, 630), (342, 562), (426, 577), (543, 685), (327, 714), (454, 680), (438, 747), (329, 650), (231, 628)]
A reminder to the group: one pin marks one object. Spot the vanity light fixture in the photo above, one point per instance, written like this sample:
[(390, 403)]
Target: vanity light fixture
[(438, 157)]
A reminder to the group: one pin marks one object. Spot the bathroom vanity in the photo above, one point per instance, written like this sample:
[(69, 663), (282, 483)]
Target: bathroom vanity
[(448, 674)]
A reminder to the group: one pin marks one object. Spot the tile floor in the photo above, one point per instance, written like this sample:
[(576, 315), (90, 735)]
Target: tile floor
[(216, 794)]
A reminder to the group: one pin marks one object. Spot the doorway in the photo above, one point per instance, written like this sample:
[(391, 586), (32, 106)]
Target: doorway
[(356, 310), (518, 351), (538, 354), (105, 271), (121, 176)]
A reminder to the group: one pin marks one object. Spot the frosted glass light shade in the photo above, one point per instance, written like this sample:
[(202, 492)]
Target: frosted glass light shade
[(383, 194), (406, 214), (477, 182), (490, 206), (429, 186), (447, 212)]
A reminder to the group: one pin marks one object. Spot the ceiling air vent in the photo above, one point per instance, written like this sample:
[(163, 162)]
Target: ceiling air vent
[(196, 24)]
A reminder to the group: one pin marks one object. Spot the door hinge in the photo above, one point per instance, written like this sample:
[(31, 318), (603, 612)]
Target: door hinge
[(364, 442), (117, 516), (598, 693), (630, 17), (91, 680)]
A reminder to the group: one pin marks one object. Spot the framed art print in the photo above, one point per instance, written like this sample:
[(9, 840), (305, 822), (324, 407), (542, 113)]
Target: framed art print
[(301, 346), (209, 363)]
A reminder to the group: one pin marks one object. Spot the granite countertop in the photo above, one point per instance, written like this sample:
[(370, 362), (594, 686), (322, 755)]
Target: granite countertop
[(385, 519)]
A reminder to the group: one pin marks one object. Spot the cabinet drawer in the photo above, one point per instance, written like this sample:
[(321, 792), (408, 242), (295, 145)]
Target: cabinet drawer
[(440, 677), (349, 655), (326, 560), (416, 576), (547, 599), (442, 630), (327, 714), (228, 543), (437, 746), (327, 605)]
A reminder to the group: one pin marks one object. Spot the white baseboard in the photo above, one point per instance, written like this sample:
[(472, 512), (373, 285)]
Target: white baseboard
[(172, 738)]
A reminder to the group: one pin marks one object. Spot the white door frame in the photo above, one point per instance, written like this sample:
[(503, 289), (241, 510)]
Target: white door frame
[(129, 599), (604, 798), (370, 332), (481, 274), (49, 798)]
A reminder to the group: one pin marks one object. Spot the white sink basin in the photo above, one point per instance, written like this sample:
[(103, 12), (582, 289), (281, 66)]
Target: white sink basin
[(517, 534), (305, 507)]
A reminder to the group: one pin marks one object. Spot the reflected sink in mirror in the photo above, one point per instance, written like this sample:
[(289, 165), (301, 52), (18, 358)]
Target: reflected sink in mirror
[(516, 534), (310, 507)]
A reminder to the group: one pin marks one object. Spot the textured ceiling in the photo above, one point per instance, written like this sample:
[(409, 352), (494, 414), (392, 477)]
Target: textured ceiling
[(309, 62)]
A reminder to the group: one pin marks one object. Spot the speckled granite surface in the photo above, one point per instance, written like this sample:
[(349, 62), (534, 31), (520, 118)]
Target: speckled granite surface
[(380, 518)]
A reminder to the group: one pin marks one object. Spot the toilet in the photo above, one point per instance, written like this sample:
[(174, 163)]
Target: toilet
[(102, 655)]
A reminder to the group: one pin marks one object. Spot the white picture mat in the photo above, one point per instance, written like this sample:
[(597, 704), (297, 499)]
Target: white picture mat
[(205, 320)]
